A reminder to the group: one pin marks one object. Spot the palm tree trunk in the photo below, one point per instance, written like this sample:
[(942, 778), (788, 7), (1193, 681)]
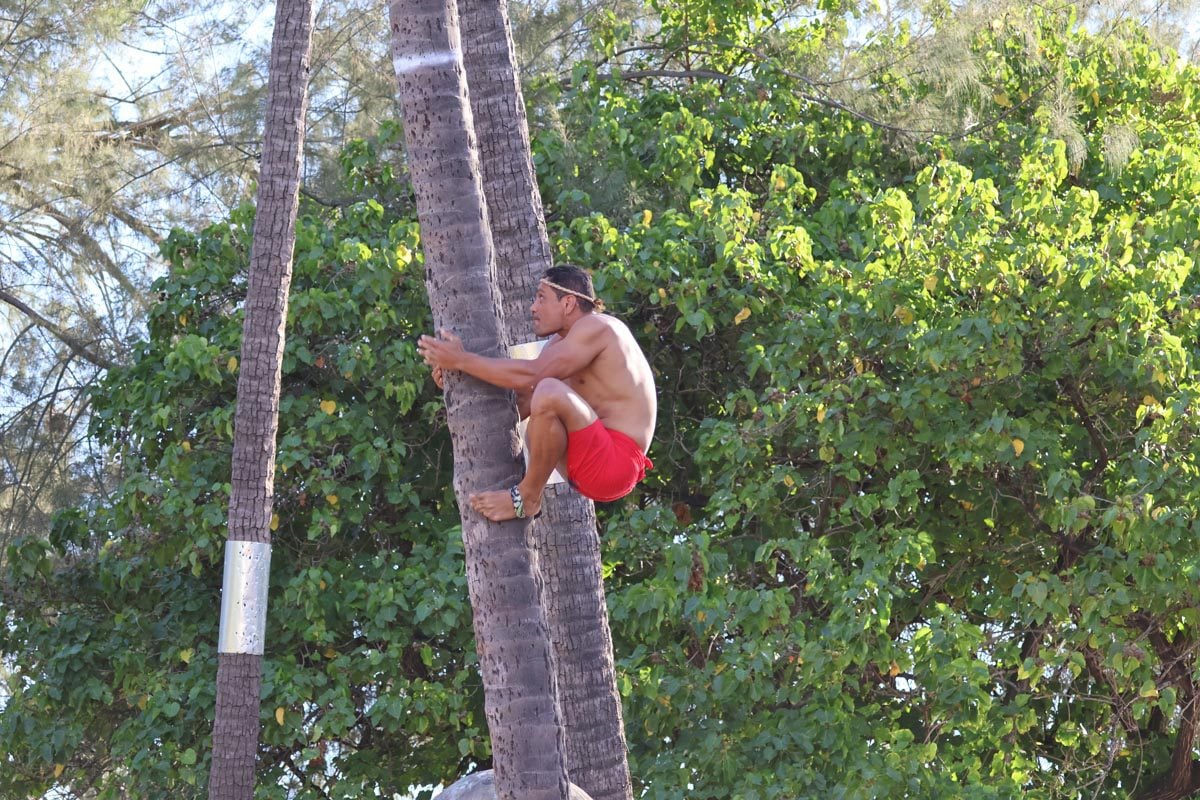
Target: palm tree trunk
[(566, 537), (502, 574), (256, 419)]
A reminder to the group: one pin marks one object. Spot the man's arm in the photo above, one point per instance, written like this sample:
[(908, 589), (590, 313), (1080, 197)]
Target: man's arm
[(561, 359), (507, 373), (446, 352)]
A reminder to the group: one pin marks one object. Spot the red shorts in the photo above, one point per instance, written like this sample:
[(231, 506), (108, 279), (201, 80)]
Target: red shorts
[(604, 464)]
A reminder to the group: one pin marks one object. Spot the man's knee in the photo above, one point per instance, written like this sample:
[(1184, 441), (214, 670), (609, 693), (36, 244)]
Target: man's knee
[(548, 395)]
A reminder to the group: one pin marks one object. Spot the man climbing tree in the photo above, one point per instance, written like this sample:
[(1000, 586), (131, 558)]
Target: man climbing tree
[(502, 577), (589, 397), (565, 537)]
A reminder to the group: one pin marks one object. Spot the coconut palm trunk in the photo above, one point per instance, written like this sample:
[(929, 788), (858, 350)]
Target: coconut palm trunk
[(502, 575), (566, 537), (256, 419)]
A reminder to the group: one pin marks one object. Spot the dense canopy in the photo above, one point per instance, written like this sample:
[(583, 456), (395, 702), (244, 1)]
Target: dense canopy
[(921, 522)]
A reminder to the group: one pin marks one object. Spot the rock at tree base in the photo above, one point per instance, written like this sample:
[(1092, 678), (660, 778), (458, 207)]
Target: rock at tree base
[(482, 786)]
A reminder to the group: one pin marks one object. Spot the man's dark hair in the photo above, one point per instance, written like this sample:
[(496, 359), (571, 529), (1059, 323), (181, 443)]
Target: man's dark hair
[(576, 280)]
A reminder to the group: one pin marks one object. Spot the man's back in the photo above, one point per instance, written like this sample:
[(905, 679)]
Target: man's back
[(618, 383)]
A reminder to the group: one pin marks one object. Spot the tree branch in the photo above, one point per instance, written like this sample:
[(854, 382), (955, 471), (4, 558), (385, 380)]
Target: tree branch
[(78, 347), (1071, 390), (136, 225), (816, 96), (93, 249)]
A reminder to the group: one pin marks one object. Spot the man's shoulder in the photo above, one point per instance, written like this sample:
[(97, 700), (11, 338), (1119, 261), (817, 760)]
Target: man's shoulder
[(610, 336), (596, 325)]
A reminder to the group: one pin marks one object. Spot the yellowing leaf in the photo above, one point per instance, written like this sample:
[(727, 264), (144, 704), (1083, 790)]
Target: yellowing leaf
[(1018, 446), (893, 669), (231, 364), (904, 315), (186, 446), (780, 183), (1149, 400), (821, 413), (58, 770), (328, 406), (186, 655), (647, 217), (789, 481), (323, 585), (662, 293), (1001, 99), (279, 715), (967, 505), (183, 319), (143, 701), (1160, 377), (741, 316), (701, 616), (274, 522), (330, 653), (1095, 97), (332, 499), (403, 254), (858, 366), (931, 282)]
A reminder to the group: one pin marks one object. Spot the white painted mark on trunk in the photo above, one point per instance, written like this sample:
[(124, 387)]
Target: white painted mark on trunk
[(407, 64)]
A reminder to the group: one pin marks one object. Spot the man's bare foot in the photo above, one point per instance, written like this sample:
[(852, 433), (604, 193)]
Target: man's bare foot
[(498, 506)]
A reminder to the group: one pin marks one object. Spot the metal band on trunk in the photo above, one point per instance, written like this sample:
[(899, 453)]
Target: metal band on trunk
[(244, 597)]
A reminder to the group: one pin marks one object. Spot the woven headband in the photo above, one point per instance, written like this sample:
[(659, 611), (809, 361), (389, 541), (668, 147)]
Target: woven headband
[(597, 302)]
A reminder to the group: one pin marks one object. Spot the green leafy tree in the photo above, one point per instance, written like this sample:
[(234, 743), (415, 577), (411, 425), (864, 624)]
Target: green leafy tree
[(369, 679), (932, 537), (921, 520)]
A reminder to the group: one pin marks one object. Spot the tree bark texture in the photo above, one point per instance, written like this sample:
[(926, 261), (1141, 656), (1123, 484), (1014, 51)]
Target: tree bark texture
[(568, 547), (256, 418), (502, 574), (1182, 779), (509, 182), (565, 537), (235, 731)]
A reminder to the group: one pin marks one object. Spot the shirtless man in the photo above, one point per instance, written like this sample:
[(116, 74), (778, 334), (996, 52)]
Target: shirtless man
[(589, 397)]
